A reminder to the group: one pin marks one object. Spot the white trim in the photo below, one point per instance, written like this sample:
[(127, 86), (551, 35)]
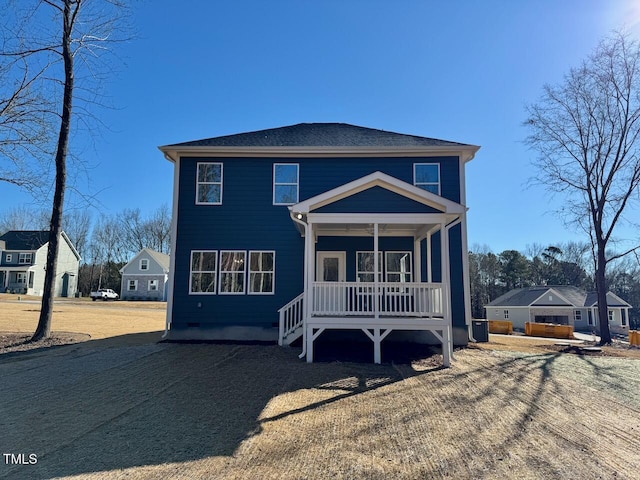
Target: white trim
[(439, 183), (140, 265), (464, 152), (297, 184), (249, 272), (8, 257), (232, 272), (379, 179), (149, 289), (380, 218), (215, 276), (30, 257), (135, 286), (386, 265), (198, 202), (342, 263), (358, 272)]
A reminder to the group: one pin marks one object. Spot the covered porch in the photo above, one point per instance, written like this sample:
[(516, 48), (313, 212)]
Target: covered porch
[(375, 272), (16, 279)]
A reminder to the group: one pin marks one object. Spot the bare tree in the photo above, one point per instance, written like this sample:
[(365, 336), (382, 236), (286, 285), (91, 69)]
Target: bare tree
[(23, 218), (152, 232), (585, 131), (49, 53)]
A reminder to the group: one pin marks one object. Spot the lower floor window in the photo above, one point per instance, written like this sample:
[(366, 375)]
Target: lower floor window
[(611, 315), (506, 314), (204, 266), (21, 277), (153, 286), (232, 271), (132, 286), (30, 280), (261, 271)]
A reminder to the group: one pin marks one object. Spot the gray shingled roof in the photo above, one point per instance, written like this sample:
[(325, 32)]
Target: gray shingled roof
[(161, 258), (523, 297), (319, 135), (25, 239)]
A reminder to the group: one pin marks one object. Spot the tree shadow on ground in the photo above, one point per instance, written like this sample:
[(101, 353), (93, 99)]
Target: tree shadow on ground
[(125, 402)]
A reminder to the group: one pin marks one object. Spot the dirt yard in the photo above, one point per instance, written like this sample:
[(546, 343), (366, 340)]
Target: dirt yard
[(128, 407)]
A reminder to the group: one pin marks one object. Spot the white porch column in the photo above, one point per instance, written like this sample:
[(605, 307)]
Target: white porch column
[(417, 260), (445, 274), (376, 269), (428, 240), (309, 264)]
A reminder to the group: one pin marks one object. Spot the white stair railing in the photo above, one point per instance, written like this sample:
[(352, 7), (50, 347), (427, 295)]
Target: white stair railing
[(291, 317)]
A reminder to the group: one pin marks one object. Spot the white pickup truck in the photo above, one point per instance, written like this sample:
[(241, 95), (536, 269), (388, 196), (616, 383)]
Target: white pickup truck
[(104, 294)]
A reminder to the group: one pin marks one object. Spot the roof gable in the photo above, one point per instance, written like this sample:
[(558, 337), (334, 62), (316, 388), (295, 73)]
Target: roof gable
[(161, 259), (384, 181)]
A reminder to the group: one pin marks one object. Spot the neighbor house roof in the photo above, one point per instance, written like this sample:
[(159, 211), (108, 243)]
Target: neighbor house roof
[(317, 137), (25, 239), (161, 259), (524, 297)]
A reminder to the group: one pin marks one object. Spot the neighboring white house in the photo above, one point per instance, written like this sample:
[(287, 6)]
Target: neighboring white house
[(145, 276), (23, 256), (566, 305)]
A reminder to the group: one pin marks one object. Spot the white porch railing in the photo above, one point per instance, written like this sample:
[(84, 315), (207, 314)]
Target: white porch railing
[(291, 317), (382, 299)]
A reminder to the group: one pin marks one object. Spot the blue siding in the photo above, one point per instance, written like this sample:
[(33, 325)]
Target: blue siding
[(247, 220)]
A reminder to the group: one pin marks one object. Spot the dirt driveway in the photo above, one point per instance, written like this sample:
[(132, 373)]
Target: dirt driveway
[(198, 411)]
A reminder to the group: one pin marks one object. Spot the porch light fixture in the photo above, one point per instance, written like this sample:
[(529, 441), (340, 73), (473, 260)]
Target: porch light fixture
[(299, 216)]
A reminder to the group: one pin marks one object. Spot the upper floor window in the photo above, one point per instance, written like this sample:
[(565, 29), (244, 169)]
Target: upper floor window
[(209, 184), (8, 258), (427, 176), (144, 264), (24, 258), (285, 183)]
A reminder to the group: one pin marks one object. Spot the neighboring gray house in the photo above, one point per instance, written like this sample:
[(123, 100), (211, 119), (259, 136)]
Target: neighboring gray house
[(145, 276), (23, 256), (566, 305)]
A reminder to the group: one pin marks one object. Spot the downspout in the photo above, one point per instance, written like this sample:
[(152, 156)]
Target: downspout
[(465, 275), (304, 330)]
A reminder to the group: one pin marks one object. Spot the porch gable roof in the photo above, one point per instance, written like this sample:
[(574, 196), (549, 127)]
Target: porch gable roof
[(387, 182)]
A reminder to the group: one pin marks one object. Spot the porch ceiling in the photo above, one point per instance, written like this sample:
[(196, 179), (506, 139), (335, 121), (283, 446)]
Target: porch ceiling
[(366, 230)]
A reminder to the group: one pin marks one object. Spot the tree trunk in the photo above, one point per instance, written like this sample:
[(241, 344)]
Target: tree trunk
[(46, 311), (601, 289)]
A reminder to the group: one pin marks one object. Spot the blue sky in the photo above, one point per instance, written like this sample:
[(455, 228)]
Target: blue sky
[(456, 70)]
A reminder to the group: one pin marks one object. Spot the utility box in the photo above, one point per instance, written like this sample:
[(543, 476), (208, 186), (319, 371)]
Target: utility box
[(480, 329)]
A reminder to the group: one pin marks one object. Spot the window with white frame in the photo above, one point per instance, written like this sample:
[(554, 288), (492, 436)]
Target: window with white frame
[(610, 315), (24, 258), (8, 258), (209, 183), (152, 286), (285, 183), (427, 176), (204, 268), (623, 318), (21, 277), (132, 285), (577, 315), (232, 271), (506, 314), (30, 284), (144, 264), (398, 267), (365, 266), (261, 272), (590, 319)]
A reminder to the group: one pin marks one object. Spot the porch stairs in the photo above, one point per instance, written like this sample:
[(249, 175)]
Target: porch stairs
[(291, 321)]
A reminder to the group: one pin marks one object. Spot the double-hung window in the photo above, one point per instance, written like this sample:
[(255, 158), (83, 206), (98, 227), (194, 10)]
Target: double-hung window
[(285, 183), (261, 272), (427, 176), (8, 258), (132, 285), (144, 264), (232, 271), (365, 266), (21, 277), (399, 268), (204, 267), (24, 258), (209, 183), (152, 286), (577, 316), (610, 315)]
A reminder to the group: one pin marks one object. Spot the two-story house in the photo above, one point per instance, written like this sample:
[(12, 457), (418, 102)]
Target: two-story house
[(145, 276), (296, 230), (23, 257)]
